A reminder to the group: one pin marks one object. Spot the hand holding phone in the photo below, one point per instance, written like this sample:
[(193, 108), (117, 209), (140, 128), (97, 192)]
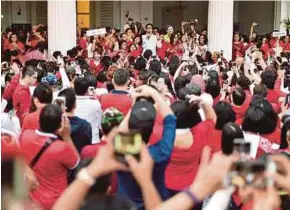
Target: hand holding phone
[(127, 144), (60, 102)]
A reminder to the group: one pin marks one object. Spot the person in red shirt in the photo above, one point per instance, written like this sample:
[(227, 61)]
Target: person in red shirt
[(10, 88), (162, 47), (261, 121), (191, 136), (119, 97), (95, 65), (51, 168), (265, 48), (21, 95), (213, 88), (273, 95), (239, 104), (175, 47), (42, 96), (225, 114), (238, 47), (15, 44), (286, 44), (83, 40), (138, 43)]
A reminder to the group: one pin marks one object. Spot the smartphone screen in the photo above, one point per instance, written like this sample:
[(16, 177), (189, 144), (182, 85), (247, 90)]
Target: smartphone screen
[(127, 144), (60, 102), (225, 85)]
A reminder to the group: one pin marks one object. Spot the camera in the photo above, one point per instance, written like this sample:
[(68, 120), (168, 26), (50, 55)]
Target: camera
[(127, 144), (60, 102)]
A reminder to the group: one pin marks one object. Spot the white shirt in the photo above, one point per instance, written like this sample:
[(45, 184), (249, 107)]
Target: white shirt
[(90, 110), (149, 44)]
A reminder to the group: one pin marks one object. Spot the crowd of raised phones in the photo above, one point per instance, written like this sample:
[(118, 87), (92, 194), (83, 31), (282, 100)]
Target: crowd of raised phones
[(145, 119)]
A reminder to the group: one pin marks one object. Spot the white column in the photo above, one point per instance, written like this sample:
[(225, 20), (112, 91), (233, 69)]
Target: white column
[(61, 25), (281, 12), (220, 26)]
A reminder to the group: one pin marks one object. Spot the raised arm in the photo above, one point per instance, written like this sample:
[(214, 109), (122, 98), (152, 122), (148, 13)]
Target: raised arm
[(178, 70)]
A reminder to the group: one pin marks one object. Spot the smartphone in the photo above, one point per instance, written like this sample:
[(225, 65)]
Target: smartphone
[(222, 53), (91, 91), (127, 144), (220, 62), (242, 148), (234, 63), (225, 85), (60, 102)]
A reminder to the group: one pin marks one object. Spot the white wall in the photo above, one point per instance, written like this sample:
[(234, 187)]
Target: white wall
[(192, 9), (138, 10), (256, 11)]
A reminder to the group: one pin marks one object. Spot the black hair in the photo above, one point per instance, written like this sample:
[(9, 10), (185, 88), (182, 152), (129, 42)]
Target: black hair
[(212, 87), (260, 117), (50, 118), (231, 131), (261, 90), (147, 54), (106, 61), (121, 77), (180, 82), (225, 114), (102, 76), (28, 71), (285, 128), (70, 98), (92, 79), (182, 110), (140, 63), (244, 82), (83, 33), (155, 66), (81, 86), (167, 82), (32, 62), (56, 54), (8, 77), (239, 96), (172, 37), (205, 38), (43, 93), (268, 79), (173, 65), (149, 24)]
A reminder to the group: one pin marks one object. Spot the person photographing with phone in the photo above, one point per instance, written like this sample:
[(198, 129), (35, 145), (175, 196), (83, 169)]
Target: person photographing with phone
[(142, 117)]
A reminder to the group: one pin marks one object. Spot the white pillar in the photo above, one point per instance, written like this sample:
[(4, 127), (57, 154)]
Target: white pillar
[(281, 12), (220, 26), (61, 25)]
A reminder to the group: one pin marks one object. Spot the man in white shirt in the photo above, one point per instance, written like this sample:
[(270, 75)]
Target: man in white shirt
[(88, 108), (149, 40)]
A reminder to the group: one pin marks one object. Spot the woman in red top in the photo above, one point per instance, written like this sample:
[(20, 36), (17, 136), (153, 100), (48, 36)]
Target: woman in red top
[(225, 114), (138, 43), (95, 64), (14, 44), (238, 47), (191, 136), (286, 44), (175, 47), (265, 48), (162, 46), (260, 127)]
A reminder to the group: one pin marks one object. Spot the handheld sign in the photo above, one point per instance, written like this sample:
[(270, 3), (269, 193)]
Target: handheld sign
[(96, 32), (279, 33)]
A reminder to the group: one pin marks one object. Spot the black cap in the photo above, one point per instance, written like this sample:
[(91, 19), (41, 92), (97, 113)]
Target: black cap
[(142, 118)]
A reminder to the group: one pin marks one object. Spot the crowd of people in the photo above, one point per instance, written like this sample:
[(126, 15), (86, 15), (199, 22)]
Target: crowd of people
[(215, 133)]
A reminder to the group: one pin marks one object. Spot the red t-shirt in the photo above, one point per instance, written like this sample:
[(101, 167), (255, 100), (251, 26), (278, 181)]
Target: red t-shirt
[(122, 102), (273, 95), (89, 152), (21, 101), (286, 46), (240, 110), (83, 43), (161, 52), (265, 48), (31, 121), (95, 69), (215, 142), (184, 162), (216, 99), (51, 168)]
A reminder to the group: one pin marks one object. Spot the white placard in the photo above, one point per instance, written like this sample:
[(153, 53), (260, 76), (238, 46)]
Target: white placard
[(279, 33), (96, 32)]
